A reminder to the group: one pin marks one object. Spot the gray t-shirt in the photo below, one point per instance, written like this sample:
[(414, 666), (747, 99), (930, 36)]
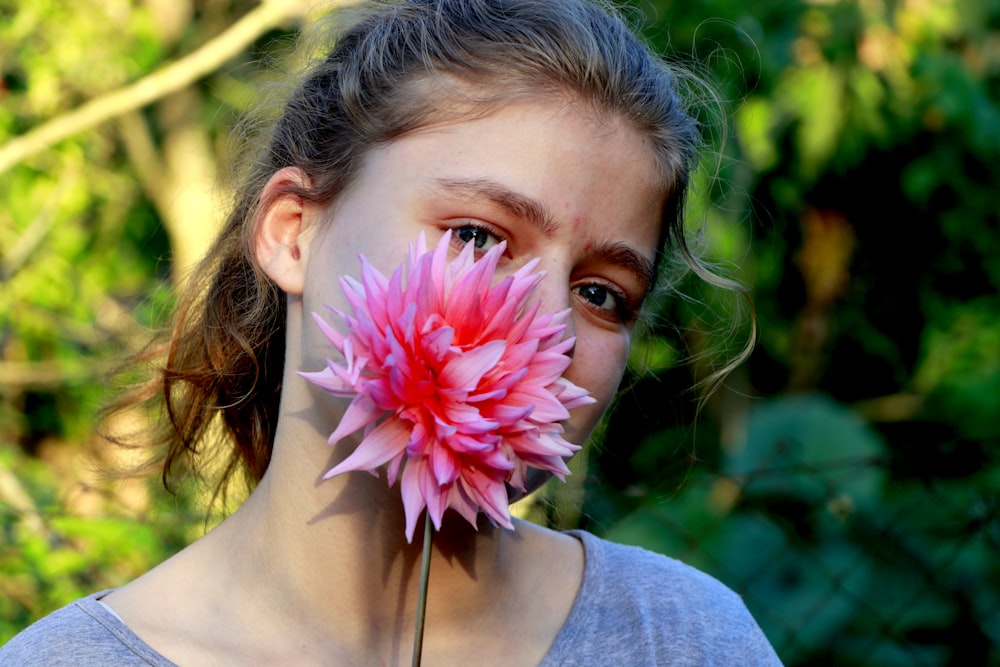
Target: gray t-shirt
[(634, 608)]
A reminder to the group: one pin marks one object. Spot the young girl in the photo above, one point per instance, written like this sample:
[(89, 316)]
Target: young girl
[(541, 124)]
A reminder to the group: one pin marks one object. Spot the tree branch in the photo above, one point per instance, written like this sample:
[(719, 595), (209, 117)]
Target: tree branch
[(171, 78)]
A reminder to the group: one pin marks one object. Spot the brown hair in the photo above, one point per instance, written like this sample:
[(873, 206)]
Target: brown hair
[(225, 354)]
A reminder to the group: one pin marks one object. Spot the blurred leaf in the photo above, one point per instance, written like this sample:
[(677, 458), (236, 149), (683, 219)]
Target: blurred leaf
[(809, 448)]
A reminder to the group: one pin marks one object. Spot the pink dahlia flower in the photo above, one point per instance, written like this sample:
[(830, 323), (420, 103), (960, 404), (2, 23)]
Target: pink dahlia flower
[(457, 382)]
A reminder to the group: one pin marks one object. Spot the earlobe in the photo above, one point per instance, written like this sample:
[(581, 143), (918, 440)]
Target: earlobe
[(280, 239)]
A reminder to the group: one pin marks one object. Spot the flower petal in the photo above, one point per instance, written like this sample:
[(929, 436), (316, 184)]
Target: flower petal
[(413, 500), (490, 495), (327, 380), (360, 413), (466, 370), (547, 407), (387, 440)]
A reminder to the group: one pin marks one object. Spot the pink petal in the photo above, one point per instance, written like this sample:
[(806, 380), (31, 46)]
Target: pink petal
[(443, 465), (387, 440), (355, 293), (403, 324), (413, 499), (459, 501), (570, 395), (527, 277), (466, 370), (562, 347), (467, 418), (547, 408), (521, 355), (328, 381), (392, 468), (490, 495), (435, 495), (505, 322), (510, 380), (498, 460), (509, 414), (331, 334), (438, 268), (437, 342), (360, 413), (545, 368), (493, 395), (540, 444), (552, 464), (380, 392), (467, 444), (444, 429), (394, 302), (518, 477), (375, 288)]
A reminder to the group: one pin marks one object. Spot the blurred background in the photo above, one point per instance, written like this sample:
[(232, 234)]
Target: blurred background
[(844, 480)]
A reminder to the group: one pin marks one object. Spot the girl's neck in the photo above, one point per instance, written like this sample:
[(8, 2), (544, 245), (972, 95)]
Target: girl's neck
[(321, 545)]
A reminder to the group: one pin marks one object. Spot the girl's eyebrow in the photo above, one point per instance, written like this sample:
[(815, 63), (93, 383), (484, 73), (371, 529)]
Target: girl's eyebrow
[(625, 256), (535, 213), (514, 203)]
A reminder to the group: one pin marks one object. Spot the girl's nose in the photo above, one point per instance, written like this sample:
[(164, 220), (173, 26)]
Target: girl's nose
[(554, 295)]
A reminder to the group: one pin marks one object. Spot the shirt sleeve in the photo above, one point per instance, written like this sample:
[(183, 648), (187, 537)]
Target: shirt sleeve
[(85, 633)]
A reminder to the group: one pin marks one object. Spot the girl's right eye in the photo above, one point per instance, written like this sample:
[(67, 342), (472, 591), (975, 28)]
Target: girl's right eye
[(480, 236), (608, 302)]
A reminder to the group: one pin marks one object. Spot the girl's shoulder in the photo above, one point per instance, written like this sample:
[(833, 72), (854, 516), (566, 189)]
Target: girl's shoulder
[(84, 633), (639, 607)]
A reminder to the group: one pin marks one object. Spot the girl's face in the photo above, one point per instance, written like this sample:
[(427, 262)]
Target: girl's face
[(554, 180)]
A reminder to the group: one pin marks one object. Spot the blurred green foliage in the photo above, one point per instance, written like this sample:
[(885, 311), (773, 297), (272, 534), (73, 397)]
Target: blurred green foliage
[(845, 480), (58, 545)]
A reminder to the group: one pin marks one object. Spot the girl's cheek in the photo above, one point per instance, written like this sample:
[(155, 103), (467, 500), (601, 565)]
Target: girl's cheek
[(598, 366)]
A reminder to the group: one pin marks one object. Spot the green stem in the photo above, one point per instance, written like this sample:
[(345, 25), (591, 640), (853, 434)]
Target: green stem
[(425, 571)]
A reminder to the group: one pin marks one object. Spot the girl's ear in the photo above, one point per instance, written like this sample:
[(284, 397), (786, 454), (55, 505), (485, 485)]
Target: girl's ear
[(284, 228)]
